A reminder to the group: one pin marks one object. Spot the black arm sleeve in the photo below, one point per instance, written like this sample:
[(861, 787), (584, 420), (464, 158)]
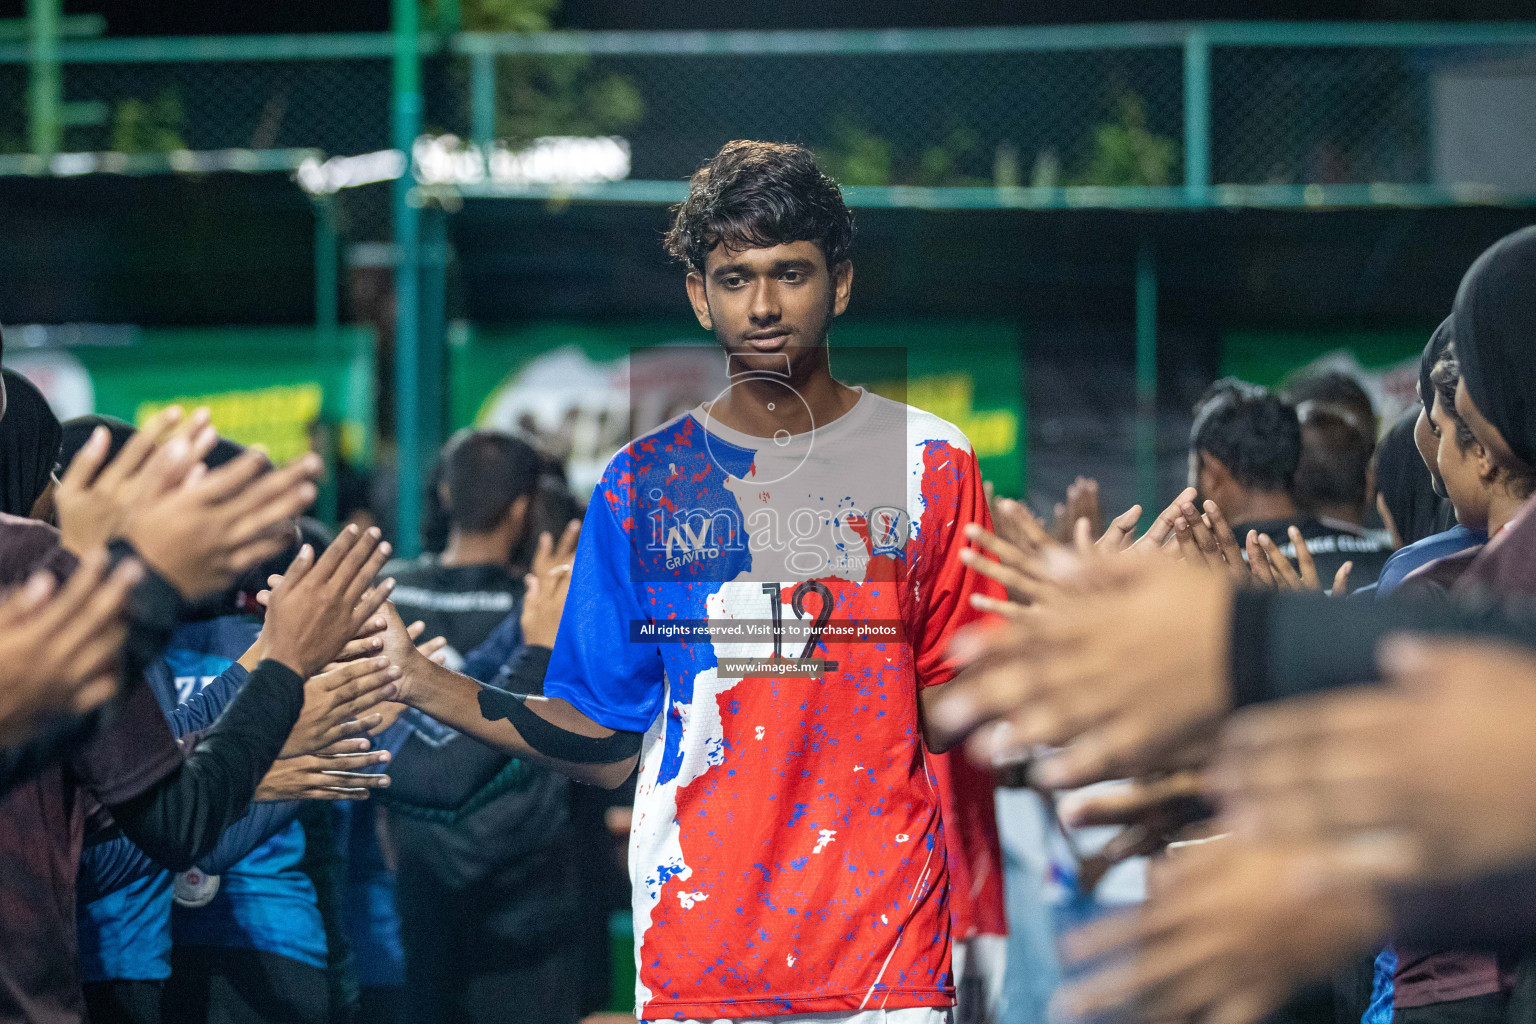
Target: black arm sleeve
[(180, 819), (1288, 644), (1496, 911)]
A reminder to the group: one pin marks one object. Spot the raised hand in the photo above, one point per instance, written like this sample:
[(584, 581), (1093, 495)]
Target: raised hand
[(60, 647), (218, 523), (1082, 503), (547, 586), (1275, 570), (1441, 762), (1230, 931), (320, 605), (93, 501), (324, 777), (1120, 671), (341, 703)]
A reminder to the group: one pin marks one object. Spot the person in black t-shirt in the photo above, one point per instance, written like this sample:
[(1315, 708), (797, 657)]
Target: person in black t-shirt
[(1244, 450), (486, 892), (486, 485)]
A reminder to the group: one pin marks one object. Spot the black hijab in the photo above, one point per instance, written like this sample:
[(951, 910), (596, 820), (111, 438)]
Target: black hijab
[(1404, 482), (1496, 338), (1438, 343), (29, 445)]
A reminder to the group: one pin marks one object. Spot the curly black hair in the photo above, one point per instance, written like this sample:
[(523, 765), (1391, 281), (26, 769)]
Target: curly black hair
[(757, 195), (1251, 431)]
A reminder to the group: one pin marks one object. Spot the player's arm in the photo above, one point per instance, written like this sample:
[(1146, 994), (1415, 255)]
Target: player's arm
[(518, 717), (546, 730)]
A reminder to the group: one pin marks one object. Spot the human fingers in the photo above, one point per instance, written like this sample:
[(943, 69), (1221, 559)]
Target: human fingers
[(362, 678), (259, 487), (82, 469), (351, 576), (343, 764), (565, 550), (71, 599), (94, 693), (23, 601), (1203, 534), (338, 552), (301, 566), (1285, 573), (1020, 587), (1189, 550), (415, 629), (980, 694), (430, 648), (1125, 805), (1304, 563), (1011, 610), (363, 579), (372, 600), (234, 477), (543, 554), (1258, 562), (1019, 527), (1162, 527), (1119, 533), (1341, 580), (351, 745), (146, 441), (1226, 541), (361, 647)]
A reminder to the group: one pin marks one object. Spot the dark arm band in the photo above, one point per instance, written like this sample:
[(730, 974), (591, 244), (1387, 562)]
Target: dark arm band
[(527, 676)]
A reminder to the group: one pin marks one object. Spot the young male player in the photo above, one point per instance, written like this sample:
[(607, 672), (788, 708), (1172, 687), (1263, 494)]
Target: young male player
[(759, 608)]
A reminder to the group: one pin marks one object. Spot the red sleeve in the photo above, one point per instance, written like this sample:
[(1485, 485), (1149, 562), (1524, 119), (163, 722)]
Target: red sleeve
[(975, 852), (942, 585)]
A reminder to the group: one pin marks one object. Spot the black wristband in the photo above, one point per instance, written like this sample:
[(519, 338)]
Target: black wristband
[(1249, 647)]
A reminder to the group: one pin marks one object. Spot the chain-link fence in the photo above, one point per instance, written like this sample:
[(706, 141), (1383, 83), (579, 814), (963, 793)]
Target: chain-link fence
[(1162, 106)]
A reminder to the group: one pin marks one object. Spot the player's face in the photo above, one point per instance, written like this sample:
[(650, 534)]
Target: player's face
[(769, 307)]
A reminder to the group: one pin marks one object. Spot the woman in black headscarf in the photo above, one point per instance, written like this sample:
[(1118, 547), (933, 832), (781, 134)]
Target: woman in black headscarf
[(29, 449), (1496, 346), (1405, 494)]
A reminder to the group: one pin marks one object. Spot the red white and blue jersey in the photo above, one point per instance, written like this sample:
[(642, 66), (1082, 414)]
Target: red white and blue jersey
[(788, 853)]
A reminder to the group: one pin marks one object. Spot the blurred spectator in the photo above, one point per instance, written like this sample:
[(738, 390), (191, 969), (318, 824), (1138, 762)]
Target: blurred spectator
[(489, 899), (1244, 450), (1338, 435)]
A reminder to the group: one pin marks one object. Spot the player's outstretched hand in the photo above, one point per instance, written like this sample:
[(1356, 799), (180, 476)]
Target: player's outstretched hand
[(94, 495), (324, 777), (319, 605), (60, 647), (547, 585), (1120, 670), (218, 523), (339, 703), (1442, 760), (1230, 930)]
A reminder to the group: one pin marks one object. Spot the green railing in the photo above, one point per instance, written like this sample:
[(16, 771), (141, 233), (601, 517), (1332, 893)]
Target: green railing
[(1128, 116)]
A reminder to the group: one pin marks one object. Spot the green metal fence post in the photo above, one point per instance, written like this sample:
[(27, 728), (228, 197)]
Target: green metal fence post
[(1197, 116), (327, 271), (1146, 378), (45, 91), (408, 407), (432, 375), (482, 99)]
